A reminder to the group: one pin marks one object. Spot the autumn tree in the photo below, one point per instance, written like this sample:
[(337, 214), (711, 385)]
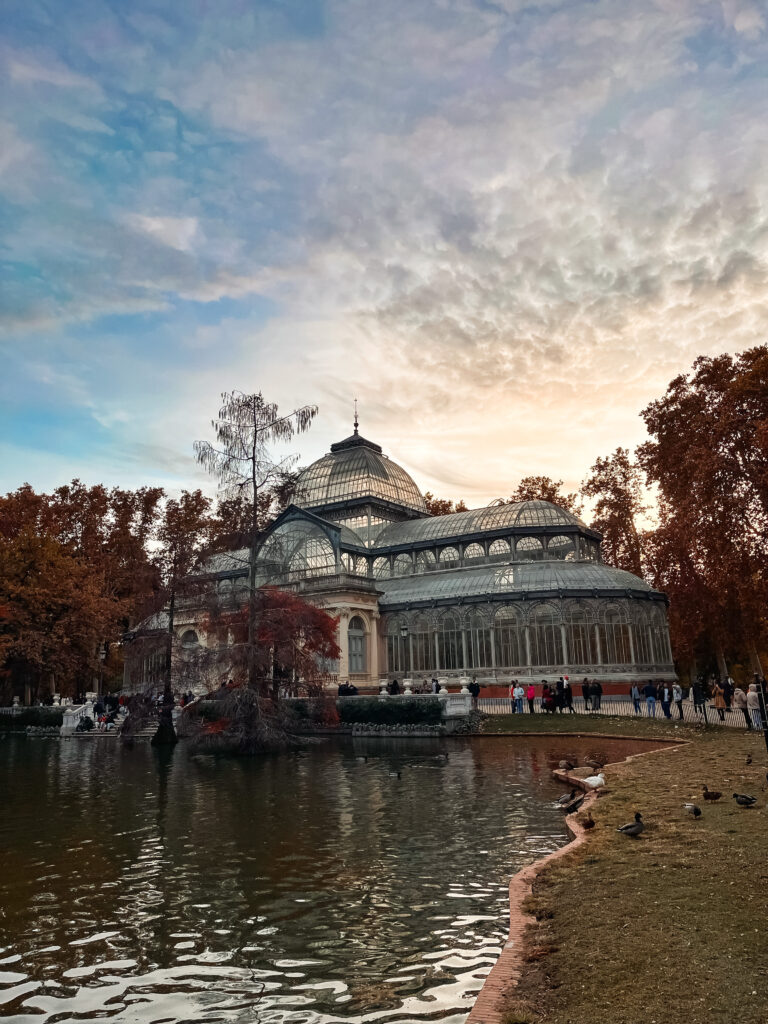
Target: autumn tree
[(442, 506), (241, 460), (616, 484), (708, 453), (181, 535), (543, 488)]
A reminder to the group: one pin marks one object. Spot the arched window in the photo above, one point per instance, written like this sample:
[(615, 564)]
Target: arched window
[(614, 636), (381, 568), (473, 554), (189, 639), (499, 551), (478, 643), (425, 561), (348, 562), (529, 549), (450, 650), (561, 547), (509, 640), (588, 550), (297, 549), (422, 645), (358, 660), (580, 637), (449, 558), (546, 641), (402, 566)]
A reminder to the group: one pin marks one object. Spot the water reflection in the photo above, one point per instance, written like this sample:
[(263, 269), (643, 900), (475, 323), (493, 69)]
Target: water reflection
[(358, 882)]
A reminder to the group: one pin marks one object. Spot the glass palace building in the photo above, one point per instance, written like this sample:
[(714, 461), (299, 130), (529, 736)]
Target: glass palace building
[(511, 590)]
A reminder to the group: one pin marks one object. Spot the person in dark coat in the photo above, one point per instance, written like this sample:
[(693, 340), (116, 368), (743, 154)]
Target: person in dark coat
[(586, 692), (596, 693)]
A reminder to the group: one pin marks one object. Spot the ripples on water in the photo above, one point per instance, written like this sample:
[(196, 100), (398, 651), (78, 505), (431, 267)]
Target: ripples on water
[(313, 887)]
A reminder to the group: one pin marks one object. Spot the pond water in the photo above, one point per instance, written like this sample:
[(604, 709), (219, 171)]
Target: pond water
[(361, 881)]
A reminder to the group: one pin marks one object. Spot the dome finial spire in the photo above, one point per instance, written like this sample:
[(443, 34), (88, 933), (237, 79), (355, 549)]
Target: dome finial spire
[(356, 423)]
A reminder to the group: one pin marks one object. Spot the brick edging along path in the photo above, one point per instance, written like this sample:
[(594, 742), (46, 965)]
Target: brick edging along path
[(508, 969)]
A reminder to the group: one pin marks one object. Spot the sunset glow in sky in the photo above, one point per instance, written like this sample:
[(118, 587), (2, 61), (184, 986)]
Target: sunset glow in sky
[(503, 226)]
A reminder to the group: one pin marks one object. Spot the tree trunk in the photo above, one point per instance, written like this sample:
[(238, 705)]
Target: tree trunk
[(721, 663), (166, 734), (754, 658)]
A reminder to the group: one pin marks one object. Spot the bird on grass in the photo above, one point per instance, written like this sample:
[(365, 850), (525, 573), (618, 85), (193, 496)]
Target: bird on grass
[(749, 759), (594, 764), (589, 822), (567, 766), (566, 797), (693, 809), (594, 781), (743, 800), (634, 828), (710, 794)]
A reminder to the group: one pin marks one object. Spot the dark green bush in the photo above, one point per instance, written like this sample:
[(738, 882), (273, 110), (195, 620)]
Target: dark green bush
[(385, 711), (31, 716)]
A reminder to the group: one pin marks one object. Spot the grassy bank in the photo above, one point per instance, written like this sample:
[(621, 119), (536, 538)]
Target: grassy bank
[(667, 927)]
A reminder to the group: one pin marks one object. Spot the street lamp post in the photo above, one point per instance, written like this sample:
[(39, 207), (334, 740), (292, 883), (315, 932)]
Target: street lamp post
[(404, 635)]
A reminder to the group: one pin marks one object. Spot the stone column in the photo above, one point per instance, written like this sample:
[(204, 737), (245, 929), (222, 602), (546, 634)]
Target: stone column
[(564, 643), (527, 645), (373, 643), (343, 614), (598, 649)]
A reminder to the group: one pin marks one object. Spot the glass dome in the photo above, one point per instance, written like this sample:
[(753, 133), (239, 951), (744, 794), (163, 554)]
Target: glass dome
[(355, 470)]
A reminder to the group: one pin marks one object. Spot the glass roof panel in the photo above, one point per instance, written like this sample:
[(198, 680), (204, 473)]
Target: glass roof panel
[(527, 577), (494, 517)]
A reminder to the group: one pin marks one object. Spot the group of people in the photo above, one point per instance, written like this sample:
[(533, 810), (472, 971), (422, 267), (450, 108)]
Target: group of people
[(727, 696), (347, 689), (555, 699)]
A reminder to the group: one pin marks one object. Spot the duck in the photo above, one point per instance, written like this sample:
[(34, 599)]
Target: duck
[(743, 800), (748, 759), (566, 797), (566, 766), (594, 781), (594, 764), (574, 804), (634, 828), (693, 809), (589, 822), (710, 794)]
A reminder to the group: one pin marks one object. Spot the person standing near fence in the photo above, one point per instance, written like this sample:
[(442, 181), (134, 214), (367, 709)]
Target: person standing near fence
[(586, 694), (634, 693), (649, 692), (519, 695), (666, 699), (531, 696), (596, 694), (568, 695), (677, 697), (560, 694), (740, 704), (753, 705), (720, 705), (697, 691), (512, 695)]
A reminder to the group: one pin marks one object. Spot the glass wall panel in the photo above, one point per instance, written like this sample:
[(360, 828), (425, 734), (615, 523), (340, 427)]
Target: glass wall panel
[(580, 637), (423, 645), (642, 634), (425, 561), (402, 565), (546, 642), (562, 547), (662, 654), (478, 643), (449, 644), (499, 551), (473, 554), (614, 637), (509, 640), (358, 661), (381, 569), (529, 549), (449, 558), (297, 549)]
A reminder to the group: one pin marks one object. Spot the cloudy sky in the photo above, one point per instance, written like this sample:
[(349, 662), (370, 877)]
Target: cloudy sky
[(503, 226)]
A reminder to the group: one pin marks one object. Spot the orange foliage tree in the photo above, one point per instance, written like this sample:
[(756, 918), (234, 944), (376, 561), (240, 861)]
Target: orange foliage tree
[(616, 483)]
